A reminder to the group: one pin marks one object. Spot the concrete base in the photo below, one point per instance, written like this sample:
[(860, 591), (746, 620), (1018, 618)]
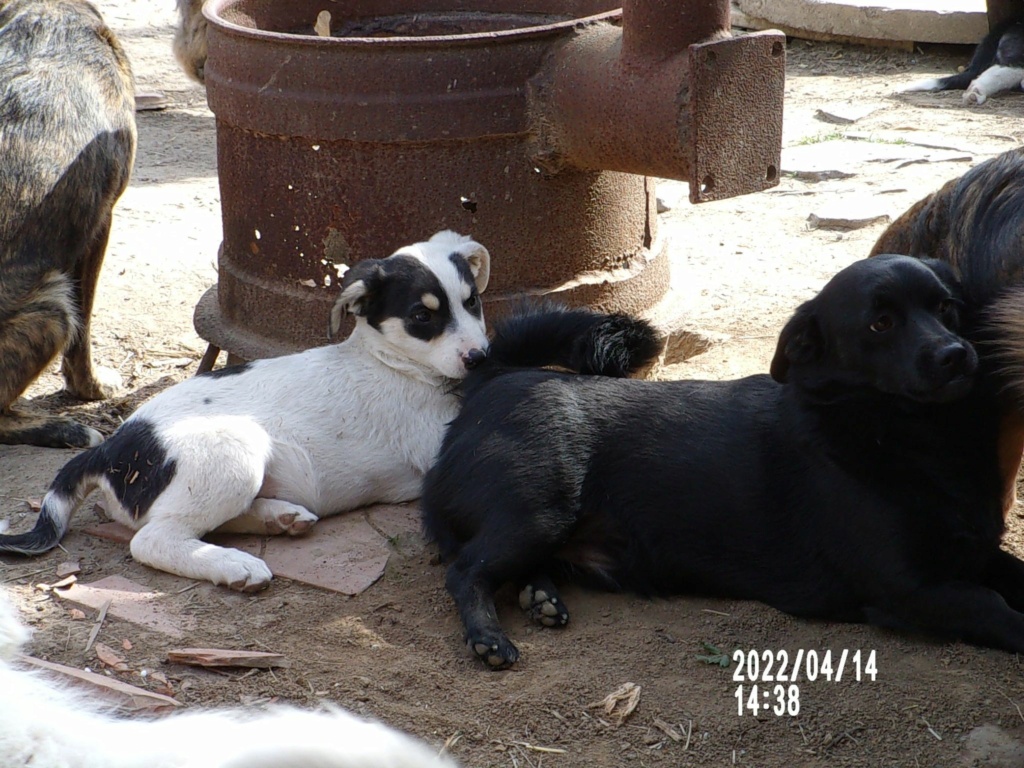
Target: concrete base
[(915, 21)]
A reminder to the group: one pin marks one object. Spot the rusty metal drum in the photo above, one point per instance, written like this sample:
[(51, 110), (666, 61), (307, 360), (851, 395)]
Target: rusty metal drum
[(411, 117)]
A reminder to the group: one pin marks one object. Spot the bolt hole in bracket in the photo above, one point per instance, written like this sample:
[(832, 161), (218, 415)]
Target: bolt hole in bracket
[(736, 148)]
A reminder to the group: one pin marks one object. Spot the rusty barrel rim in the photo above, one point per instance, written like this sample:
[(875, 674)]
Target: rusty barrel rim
[(214, 9)]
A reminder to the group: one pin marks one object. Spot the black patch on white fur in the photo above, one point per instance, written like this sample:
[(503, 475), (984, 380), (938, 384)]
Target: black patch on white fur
[(133, 461), (135, 464), (228, 370), (473, 304), (395, 290)]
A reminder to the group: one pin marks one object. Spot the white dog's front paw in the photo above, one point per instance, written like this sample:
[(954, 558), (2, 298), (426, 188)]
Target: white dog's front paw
[(242, 572)]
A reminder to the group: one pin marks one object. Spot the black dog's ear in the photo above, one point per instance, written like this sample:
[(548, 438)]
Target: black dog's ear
[(358, 287), (800, 342), (947, 275)]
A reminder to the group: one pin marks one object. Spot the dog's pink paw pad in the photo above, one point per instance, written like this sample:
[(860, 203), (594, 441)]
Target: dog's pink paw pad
[(544, 605), (496, 653)]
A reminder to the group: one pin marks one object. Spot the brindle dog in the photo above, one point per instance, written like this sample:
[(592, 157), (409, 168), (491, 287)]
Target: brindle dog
[(67, 145), (190, 39), (975, 223)]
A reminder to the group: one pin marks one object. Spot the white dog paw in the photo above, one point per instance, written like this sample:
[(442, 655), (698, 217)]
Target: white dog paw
[(108, 378), (242, 572), (974, 96), (290, 519)]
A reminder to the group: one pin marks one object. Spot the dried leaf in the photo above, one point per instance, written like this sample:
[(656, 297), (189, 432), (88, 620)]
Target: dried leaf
[(77, 615), (126, 644), (62, 584), (65, 582), (107, 655), (620, 703), (70, 568)]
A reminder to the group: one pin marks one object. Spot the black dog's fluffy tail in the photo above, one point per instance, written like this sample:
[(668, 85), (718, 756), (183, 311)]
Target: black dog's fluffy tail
[(580, 340)]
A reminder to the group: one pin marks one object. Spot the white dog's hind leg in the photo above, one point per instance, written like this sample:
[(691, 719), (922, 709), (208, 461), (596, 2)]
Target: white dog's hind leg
[(990, 82), (219, 469), (271, 517)]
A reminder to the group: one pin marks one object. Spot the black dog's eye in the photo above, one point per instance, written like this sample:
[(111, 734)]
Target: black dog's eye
[(882, 324), (471, 302), (421, 315)]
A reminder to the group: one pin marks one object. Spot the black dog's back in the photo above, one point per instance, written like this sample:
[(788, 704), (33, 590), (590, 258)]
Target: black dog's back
[(760, 483), (537, 334)]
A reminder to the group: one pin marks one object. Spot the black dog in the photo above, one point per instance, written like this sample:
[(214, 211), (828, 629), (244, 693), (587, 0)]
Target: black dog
[(859, 482)]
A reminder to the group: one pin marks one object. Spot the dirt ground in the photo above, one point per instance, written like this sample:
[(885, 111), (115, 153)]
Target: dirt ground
[(394, 652)]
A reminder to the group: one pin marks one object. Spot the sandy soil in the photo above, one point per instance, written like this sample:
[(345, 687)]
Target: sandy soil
[(394, 652)]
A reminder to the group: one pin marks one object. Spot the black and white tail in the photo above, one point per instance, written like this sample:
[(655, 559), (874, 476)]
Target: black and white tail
[(67, 491), (580, 340)]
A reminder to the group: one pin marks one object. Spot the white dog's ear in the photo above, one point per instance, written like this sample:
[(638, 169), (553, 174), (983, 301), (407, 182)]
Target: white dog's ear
[(479, 260), (357, 288)]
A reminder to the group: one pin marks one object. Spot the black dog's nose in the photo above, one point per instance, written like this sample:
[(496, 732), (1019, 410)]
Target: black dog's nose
[(473, 358), (953, 356)]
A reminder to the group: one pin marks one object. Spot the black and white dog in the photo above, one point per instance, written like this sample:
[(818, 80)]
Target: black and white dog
[(859, 482), (45, 724), (996, 66), (272, 445)]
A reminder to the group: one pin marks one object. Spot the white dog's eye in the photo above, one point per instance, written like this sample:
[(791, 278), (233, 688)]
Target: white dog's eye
[(470, 302), (421, 316)]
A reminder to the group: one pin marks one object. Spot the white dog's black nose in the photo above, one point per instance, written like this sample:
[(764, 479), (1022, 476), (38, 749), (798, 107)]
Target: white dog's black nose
[(473, 358)]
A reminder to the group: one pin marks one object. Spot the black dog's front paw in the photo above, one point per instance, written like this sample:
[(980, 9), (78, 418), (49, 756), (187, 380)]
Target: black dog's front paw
[(497, 652), (542, 602)]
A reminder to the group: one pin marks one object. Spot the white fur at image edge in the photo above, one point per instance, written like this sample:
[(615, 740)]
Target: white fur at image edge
[(46, 725)]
